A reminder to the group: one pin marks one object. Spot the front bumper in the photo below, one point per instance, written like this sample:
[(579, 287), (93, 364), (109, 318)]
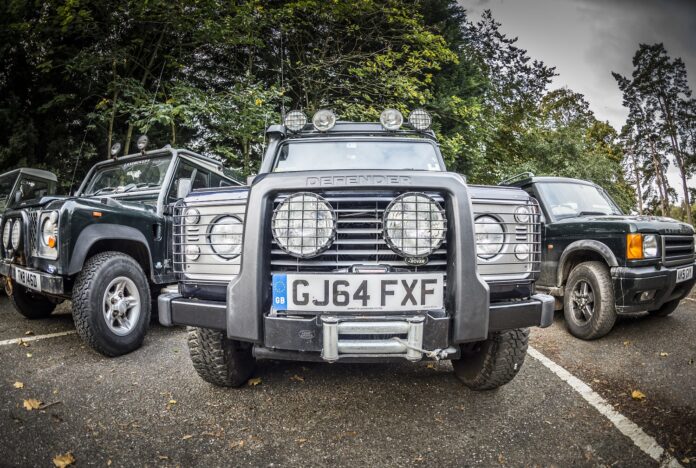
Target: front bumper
[(631, 283), (355, 338), (50, 284)]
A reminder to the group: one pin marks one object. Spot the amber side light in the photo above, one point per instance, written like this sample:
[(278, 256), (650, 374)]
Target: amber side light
[(51, 242), (96, 214), (634, 246)]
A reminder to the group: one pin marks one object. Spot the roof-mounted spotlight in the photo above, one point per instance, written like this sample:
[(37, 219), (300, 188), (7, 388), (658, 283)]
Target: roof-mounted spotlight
[(295, 120), (324, 120), (115, 149), (142, 142), (420, 119), (391, 119)]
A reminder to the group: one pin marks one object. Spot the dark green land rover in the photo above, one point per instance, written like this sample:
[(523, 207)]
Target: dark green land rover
[(599, 262), (107, 248)]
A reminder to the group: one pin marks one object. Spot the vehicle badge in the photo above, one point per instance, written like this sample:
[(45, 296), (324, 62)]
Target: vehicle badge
[(416, 261)]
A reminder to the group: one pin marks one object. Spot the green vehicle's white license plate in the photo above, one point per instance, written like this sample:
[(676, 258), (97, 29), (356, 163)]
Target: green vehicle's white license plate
[(28, 278), (358, 292), (684, 274)]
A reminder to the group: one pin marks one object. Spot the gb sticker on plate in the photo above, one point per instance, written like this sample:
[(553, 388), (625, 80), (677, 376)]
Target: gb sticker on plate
[(280, 292)]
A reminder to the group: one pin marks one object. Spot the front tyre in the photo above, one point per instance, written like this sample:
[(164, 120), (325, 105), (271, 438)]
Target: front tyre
[(219, 360), (111, 303), (489, 364), (588, 301), (31, 305)]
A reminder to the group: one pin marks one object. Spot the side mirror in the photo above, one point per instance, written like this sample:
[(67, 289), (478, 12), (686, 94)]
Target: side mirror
[(183, 188), (18, 196)]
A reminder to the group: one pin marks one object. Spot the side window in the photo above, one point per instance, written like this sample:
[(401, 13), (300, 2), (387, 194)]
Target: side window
[(186, 170), (32, 188), (217, 181)]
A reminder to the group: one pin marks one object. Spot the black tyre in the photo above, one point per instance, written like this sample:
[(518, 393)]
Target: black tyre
[(111, 303), (666, 309), (31, 305), (219, 360), (588, 301), (489, 364)]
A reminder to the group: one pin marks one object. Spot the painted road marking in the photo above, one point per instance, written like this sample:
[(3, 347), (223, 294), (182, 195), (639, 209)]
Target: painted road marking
[(36, 337), (627, 427)]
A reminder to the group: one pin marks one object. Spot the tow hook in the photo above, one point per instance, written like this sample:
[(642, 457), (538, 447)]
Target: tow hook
[(437, 354), (8, 286)]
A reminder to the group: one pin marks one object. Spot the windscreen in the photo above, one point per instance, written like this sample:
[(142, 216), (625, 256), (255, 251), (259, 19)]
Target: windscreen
[(6, 183), (567, 200), (130, 176), (335, 155)]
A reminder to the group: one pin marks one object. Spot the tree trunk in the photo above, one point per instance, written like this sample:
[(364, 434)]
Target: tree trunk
[(639, 190), (660, 179), (114, 101), (173, 133)]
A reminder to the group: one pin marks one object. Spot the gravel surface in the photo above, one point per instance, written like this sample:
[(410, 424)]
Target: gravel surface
[(150, 408)]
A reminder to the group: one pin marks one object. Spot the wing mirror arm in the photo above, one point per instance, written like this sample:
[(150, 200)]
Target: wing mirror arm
[(183, 188)]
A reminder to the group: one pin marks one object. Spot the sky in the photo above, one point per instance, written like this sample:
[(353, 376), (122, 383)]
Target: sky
[(588, 39)]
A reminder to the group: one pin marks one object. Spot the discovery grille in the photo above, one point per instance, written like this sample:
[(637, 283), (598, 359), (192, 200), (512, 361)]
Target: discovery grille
[(677, 249), (33, 231), (359, 239)]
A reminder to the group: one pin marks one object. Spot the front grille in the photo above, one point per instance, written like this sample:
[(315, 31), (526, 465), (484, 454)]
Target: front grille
[(359, 239), (677, 250), (32, 231)]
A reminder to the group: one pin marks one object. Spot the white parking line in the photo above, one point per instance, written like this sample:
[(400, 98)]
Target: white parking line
[(37, 337), (627, 427)]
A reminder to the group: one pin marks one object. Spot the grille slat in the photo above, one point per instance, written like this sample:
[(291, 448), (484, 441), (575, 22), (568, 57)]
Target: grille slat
[(677, 250)]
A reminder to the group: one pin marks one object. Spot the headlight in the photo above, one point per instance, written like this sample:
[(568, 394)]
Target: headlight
[(522, 214), (650, 246), (324, 120), (490, 237), (304, 225), (6, 233), (295, 120), (414, 225), (420, 119), (225, 236), (16, 234), (391, 119)]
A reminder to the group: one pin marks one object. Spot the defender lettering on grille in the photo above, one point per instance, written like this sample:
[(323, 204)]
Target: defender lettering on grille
[(358, 180)]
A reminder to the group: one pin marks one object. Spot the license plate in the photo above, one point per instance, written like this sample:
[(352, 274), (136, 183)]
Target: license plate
[(358, 292), (28, 278), (684, 274)]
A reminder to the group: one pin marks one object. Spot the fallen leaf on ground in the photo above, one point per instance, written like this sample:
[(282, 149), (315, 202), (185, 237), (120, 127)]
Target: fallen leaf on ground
[(238, 444), (21, 342), (18, 384), (663, 354), (29, 354), (108, 462), (297, 378), (172, 402), (31, 404), (626, 343), (255, 381), (61, 461), (430, 366), (300, 441), (637, 395), (163, 457), (186, 437), (28, 333)]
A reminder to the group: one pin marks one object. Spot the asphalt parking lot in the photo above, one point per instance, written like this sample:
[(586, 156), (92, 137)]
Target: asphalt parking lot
[(150, 408)]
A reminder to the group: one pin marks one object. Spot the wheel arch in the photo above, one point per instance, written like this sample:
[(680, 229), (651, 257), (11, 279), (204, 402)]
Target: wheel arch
[(583, 251), (111, 237)]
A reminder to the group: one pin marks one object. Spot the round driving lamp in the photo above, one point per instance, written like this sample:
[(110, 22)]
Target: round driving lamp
[(414, 225), (391, 119), (304, 225), (490, 237), (193, 252), (225, 237), (420, 119), (295, 121), (16, 234), (6, 234), (324, 120), (142, 142), (115, 149), (522, 252)]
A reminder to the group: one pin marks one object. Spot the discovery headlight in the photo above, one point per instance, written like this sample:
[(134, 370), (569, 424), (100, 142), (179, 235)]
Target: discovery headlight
[(414, 225), (304, 224), (225, 236), (48, 235), (490, 237)]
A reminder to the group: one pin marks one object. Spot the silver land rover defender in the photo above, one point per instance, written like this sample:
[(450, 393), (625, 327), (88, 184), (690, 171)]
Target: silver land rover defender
[(354, 244)]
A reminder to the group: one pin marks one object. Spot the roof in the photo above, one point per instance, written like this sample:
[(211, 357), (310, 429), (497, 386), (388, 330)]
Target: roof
[(350, 128), (34, 173), (530, 178)]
